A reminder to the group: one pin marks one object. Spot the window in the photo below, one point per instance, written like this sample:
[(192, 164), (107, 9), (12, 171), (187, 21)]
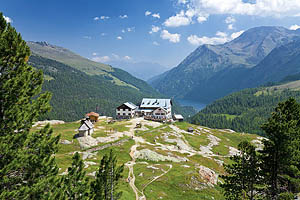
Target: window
[(124, 113)]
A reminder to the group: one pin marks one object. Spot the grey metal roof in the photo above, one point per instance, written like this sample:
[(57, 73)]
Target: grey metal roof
[(178, 116), (130, 105), (156, 103), (86, 125)]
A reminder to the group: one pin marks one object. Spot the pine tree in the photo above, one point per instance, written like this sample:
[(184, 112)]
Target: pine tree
[(27, 167), (281, 153), (74, 185), (243, 179), (107, 177)]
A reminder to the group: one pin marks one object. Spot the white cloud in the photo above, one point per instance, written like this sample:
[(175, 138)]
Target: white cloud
[(113, 57), (156, 15), (179, 19), (94, 54), (123, 31), (201, 19), (103, 34), (230, 20), (220, 38), (104, 17), (236, 34), (230, 26), (87, 37), (101, 59), (119, 38), (123, 16), (127, 58), (221, 34), (96, 18), (154, 29), (131, 29), (147, 13), (182, 1), (155, 43), (174, 38), (294, 27), (275, 8), (7, 19)]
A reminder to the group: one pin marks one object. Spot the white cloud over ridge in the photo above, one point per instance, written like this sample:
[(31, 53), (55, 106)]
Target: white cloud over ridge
[(102, 59), (173, 38), (113, 57), (220, 38), (294, 27), (274, 8)]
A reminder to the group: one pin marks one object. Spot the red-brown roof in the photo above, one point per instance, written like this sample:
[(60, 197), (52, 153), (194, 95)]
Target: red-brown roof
[(92, 114)]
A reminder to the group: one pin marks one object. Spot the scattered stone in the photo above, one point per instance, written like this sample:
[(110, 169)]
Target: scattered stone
[(89, 155), (87, 142), (88, 163), (146, 154), (185, 166), (258, 144), (141, 174), (92, 174), (65, 142), (233, 151), (51, 122), (208, 175)]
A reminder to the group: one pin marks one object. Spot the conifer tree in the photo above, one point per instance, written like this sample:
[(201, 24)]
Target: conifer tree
[(27, 167), (75, 184), (243, 179), (106, 183), (281, 153)]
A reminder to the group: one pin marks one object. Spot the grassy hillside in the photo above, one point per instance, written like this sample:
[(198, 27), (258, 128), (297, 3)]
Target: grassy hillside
[(155, 178), (246, 110), (69, 58), (75, 93)]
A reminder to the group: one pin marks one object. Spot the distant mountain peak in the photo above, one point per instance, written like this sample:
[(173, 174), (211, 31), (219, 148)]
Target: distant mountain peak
[(208, 71)]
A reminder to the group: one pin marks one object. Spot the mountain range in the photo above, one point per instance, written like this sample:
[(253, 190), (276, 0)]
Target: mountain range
[(141, 70), (79, 85), (258, 56)]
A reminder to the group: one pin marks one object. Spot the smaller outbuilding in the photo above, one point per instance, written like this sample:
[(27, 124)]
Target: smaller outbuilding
[(86, 128), (93, 116), (178, 117), (190, 130)]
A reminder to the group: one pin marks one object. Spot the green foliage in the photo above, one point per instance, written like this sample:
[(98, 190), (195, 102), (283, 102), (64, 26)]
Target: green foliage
[(244, 180), (249, 110), (75, 184), (281, 153), (27, 168), (75, 93), (274, 173), (106, 182)]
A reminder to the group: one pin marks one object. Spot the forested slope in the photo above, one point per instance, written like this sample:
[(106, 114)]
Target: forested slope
[(246, 110), (76, 93)]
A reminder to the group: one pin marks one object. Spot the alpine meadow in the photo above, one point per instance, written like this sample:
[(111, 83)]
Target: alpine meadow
[(150, 100)]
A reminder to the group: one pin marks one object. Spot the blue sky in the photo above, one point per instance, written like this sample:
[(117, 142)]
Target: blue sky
[(162, 31)]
